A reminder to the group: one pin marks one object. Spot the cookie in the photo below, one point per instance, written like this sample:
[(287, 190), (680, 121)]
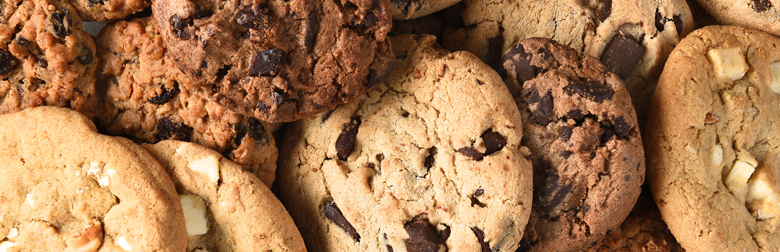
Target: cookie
[(226, 207), (279, 61), (107, 10), (45, 57), (631, 37), (584, 141), (712, 163), (411, 9), (74, 189), (762, 15), (430, 161), (148, 99)]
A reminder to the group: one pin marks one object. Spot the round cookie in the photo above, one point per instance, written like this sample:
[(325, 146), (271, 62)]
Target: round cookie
[(711, 143), (411, 9), (76, 190), (106, 10), (762, 15), (226, 208), (279, 61), (45, 57), (430, 161), (584, 140), (147, 98), (631, 37)]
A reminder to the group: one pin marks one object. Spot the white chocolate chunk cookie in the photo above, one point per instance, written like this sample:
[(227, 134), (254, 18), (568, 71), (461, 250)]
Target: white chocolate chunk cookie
[(711, 141), (68, 188), (226, 208), (429, 161)]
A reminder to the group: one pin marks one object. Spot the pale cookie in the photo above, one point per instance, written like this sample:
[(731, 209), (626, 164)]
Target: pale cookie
[(762, 15), (430, 161), (68, 188), (712, 141)]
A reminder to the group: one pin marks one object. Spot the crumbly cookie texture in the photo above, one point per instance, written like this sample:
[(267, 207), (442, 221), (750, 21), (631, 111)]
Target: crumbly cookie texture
[(428, 162), (279, 61), (225, 207), (72, 189), (411, 9), (45, 57), (712, 153), (107, 10), (761, 15), (632, 38), (584, 141), (147, 98)]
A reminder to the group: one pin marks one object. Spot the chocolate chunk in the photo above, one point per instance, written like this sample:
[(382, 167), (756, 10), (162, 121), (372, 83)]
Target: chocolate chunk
[(334, 214), (61, 23), (327, 114), (551, 193), (575, 114), (678, 24), (7, 62), (475, 201), (532, 96), (171, 130), (267, 62), (622, 54), (85, 56), (311, 32), (376, 77), (659, 21), (346, 141), (471, 152), (481, 238), (493, 141), (165, 96), (252, 127), (524, 71), (179, 26), (621, 127), (445, 233), (543, 113), (589, 90), (479, 192), (495, 49), (566, 133), (607, 135), (428, 163), (604, 10), (256, 19), (423, 236), (762, 5)]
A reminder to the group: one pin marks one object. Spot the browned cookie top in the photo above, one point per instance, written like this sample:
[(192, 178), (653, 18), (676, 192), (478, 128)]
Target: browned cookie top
[(279, 60), (585, 145)]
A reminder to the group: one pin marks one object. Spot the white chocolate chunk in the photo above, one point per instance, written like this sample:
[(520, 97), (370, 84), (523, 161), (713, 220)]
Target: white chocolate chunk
[(104, 181), (766, 208), (13, 233), (728, 63), (195, 219), (29, 200), (89, 241), (95, 168), (775, 83), (758, 189), (122, 243), (110, 172), (4, 246), (717, 156), (208, 166), (739, 175)]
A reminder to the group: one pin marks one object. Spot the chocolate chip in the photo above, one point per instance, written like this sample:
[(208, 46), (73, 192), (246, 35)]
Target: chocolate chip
[(334, 214), (171, 130), (621, 127), (532, 96), (678, 24), (659, 21), (495, 49), (622, 54), (575, 114), (311, 32), (493, 141), (423, 236), (445, 233), (346, 141), (256, 19), (267, 62), (327, 114), (376, 77), (252, 127), (61, 23), (551, 193), (179, 26), (85, 56), (479, 192), (7, 62), (566, 133), (762, 5), (604, 10), (471, 152), (543, 114), (589, 90), (481, 238), (405, 114), (475, 201), (165, 96), (524, 71), (428, 163)]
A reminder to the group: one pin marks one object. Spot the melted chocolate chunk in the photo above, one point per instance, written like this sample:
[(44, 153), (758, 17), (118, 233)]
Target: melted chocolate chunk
[(267, 62), (256, 19), (445, 233), (524, 71), (659, 21), (566, 133), (475, 201), (423, 236), (678, 24), (551, 193), (61, 23), (762, 5), (575, 115), (621, 127), (376, 77), (471, 152), (346, 141), (311, 31), (481, 238), (171, 130), (495, 49), (334, 214), (165, 96), (7, 62), (604, 10), (589, 90), (622, 54), (493, 141)]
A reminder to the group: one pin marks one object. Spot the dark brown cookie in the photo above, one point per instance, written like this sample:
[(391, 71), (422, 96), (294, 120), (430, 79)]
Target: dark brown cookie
[(279, 60), (585, 145)]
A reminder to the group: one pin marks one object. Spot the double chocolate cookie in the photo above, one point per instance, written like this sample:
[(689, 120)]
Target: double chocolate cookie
[(712, 151), (584, 141), (278, 60), (762, 15), (429, 162)]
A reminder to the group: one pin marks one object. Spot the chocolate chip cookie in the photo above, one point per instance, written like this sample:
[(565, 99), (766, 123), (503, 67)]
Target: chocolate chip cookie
[(277, 60), (148, 99), (225, 207), (711, 141), (762, 15), (45, 57), (106, 10), (584, 141), (430, 161), (632, 38), (68, 188), (411, 9)]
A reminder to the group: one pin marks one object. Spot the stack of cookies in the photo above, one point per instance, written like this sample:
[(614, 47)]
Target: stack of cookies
[(389, 125)]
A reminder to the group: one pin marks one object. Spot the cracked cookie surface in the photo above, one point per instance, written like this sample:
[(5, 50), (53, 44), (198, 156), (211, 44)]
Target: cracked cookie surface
[(72, 189), (279, 60), (147, 98), (631, 37), (430, 161), (226, 208), (712, 144), (762, 15), (584, 140)]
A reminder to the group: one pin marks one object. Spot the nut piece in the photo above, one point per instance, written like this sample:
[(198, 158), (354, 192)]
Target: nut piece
[(743, 168), (717, 160), (5, 245), (29, 200), (775, 83), (90, 240), (122, 243), (194, 214), (208, 166), (728, 63)]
